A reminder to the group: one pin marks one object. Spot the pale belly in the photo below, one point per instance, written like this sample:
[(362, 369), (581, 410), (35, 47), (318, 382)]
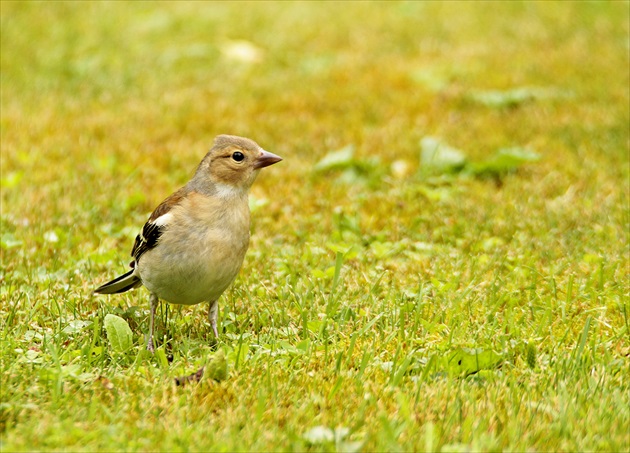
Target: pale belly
[(181, 274)]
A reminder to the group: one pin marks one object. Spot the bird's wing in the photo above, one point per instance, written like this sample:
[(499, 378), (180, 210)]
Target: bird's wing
[(146, 240), (155, 226)]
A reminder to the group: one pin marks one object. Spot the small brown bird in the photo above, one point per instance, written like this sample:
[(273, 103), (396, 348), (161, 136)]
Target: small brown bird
[(193, 245)]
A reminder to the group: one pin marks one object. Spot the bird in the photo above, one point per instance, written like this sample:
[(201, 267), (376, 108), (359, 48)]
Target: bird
[(193, 245)]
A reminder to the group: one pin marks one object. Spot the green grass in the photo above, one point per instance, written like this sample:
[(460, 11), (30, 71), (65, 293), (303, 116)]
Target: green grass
[(367, 281)]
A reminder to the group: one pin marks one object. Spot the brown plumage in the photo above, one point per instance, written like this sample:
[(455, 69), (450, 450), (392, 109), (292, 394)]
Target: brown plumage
[(193, 244)]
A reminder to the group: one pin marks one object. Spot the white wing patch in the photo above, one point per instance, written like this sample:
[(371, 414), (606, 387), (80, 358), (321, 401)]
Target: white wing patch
[(164, 219)]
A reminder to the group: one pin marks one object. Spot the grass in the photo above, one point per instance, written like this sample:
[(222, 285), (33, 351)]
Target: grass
[(386, 303)]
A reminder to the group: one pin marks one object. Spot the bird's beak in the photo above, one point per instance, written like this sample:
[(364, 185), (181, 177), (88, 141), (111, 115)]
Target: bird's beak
[(265, 159)]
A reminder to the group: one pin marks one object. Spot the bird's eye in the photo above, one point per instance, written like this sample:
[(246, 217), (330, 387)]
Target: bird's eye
[(238, 156)]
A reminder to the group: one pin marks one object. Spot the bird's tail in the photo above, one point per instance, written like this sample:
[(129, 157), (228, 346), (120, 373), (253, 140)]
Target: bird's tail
[(121, 284)]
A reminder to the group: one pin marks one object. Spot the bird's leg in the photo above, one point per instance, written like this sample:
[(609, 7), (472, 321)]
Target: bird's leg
[(213, 315), (153, 301)]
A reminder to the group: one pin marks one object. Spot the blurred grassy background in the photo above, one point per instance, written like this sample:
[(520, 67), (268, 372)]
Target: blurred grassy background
[(107, 107)]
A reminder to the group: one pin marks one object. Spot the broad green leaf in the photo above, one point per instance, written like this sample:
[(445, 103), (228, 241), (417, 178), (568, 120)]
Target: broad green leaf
[(437, 154), (8, 241), (303, 345), (314, 326), (76, 326), (118, 333), (339, 247), (384, 249), (503, 161), (335, 160), (465, 361), (217, 367)]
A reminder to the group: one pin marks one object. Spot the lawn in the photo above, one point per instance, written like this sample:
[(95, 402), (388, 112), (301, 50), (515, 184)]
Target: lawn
[(440, 262)]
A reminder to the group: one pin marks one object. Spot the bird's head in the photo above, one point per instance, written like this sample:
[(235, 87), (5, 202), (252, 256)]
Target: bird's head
[(232, 164)]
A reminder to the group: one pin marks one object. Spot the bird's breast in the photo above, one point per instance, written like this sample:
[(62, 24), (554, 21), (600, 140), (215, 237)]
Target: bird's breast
[(200, 252)]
